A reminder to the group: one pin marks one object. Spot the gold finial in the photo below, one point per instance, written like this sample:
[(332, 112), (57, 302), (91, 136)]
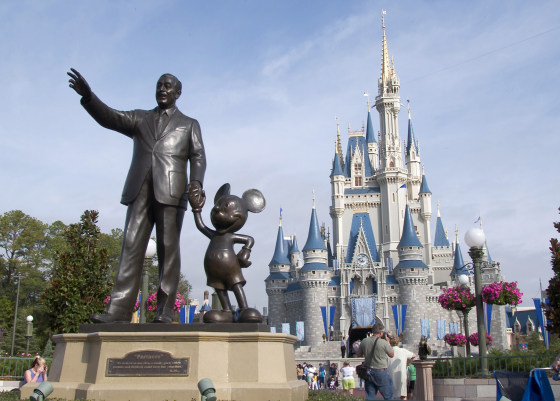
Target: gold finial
[(385, 66), (456, 235), (446, 234), (367, 95), (280, 219), (422, 168), (438, 209)]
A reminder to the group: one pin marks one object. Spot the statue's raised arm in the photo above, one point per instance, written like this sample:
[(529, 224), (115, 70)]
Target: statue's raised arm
[(79, 84)]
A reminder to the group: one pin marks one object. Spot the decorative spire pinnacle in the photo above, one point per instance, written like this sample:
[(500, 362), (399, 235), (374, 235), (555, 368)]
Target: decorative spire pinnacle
[(438, 209), (367, 95), (313, 198), (280, 223), (408, 105), (385, 66), (456, 234)]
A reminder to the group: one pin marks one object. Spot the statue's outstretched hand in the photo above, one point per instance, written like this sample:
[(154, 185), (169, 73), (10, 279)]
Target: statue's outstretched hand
[(79, 84)]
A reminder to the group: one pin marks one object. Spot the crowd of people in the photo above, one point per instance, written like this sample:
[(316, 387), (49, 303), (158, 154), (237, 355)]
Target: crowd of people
[(390, 368), (318, 378)]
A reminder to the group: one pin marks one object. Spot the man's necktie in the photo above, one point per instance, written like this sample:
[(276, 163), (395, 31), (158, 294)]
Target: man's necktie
[(162, 122)]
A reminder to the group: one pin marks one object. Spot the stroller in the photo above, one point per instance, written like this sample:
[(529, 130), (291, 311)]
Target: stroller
[(523, 386)]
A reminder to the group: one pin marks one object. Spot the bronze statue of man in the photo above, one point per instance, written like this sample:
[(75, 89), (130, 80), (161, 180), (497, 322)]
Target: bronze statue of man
[(156, 190)]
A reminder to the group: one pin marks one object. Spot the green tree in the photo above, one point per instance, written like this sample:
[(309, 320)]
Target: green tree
[(22, 241), (553, 292), (80, 275)]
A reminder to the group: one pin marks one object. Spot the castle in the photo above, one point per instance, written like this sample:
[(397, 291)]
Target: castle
[(384, 264)]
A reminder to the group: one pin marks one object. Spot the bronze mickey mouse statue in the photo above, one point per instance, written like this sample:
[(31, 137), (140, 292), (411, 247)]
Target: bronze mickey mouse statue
[(221, 264)]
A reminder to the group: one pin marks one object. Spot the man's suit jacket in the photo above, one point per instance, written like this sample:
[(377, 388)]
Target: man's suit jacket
[(165, 157)]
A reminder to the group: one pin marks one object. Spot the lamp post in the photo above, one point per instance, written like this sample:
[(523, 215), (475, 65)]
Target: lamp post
[(151, 250), (464, 280), (475, 239), (18, 276), (28, 332)]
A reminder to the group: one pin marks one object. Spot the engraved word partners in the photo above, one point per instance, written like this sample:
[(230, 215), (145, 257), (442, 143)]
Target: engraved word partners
[(147, 363)]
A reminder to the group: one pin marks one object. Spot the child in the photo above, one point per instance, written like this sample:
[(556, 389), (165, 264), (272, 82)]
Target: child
[(412, 377), (332, 384)]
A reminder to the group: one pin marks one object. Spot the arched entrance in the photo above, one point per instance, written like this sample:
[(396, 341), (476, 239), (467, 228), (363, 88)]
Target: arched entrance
[(357, 333)]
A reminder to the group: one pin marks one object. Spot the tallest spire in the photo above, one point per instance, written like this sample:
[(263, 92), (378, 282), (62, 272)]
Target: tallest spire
[(385, 63)]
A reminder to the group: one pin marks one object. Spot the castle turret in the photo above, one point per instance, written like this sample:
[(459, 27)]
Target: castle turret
[(442, 253), (412, 162), (392, 175), (314, 280), (412, 275), (278, 280), (425, 196), (373, 151)]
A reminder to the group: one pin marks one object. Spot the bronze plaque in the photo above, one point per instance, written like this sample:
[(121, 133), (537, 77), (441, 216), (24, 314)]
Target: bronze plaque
[(147, 363)]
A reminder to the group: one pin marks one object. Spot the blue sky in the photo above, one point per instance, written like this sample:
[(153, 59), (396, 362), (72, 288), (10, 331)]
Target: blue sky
[(266, 81)]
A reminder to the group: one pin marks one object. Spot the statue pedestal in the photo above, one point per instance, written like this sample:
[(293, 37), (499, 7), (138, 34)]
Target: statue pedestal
[(424, 387), (165, 362)]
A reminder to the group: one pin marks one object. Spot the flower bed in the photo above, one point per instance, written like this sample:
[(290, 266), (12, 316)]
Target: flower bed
[(456, 298), (455, 339), (473, 339), (180, 301), (502, 293)]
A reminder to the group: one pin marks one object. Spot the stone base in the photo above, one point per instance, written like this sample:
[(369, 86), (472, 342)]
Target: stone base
[(243, 365)]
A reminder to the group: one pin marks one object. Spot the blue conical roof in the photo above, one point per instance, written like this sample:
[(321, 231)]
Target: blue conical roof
[(440, 238), (294, 248), (336, 169), (458, 263), (361, 221), (281, 251), (424, 189), (409, 237), (411, 141), (314, 239), (370, 134)]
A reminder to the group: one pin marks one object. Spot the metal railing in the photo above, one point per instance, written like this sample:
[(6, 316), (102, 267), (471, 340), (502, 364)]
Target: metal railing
[(13, 368), (468, 367)]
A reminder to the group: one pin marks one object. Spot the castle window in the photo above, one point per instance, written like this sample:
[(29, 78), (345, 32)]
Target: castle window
[(313, 272), (357, 181)]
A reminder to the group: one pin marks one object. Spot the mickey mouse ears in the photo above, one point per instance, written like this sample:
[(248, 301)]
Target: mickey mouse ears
[(254, 200)]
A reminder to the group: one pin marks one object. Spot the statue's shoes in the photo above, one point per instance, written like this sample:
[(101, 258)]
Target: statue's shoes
[(249, 315), (108, 318), (163, 319), (218, 316)]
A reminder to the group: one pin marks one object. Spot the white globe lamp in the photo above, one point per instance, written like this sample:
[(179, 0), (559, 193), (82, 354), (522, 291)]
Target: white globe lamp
[(475, 238), (151, 249)]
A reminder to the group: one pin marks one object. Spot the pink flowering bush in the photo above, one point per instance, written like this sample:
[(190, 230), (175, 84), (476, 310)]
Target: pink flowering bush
[(180, 301), (455, 339), (108, 299), (456, 298), (502, 293), (473, 339)]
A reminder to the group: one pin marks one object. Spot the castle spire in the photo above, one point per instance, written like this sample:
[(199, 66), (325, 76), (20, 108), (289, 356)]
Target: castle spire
[(314, 239), (385, 63), (280, 256)]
